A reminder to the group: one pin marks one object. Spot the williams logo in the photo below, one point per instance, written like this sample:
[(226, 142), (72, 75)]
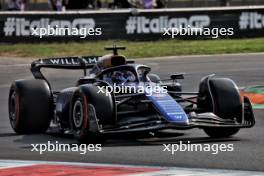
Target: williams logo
[(69, 60)]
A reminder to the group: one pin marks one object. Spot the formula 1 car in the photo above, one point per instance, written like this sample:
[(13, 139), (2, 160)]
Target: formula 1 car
[(90, 111)]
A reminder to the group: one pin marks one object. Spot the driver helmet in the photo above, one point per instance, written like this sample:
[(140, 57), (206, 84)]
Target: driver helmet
[(120, 77)]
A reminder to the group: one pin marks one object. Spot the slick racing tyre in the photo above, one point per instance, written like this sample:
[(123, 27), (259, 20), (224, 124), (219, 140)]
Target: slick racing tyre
[(89, 108), (220, 96), (30, 106), (221, 132)]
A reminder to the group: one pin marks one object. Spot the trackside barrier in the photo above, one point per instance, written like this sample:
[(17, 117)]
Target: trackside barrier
[(131, 24)]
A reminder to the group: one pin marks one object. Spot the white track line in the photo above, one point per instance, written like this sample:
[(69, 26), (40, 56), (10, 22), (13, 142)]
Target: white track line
[(200, 172), (165, 171)]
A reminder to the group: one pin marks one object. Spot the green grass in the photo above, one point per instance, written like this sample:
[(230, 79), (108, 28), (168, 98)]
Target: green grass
[(136, 49)]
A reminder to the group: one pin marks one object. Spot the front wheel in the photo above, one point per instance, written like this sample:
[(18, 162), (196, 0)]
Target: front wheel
[(220, 96), (90, 110), (80, 121), (221, 132)]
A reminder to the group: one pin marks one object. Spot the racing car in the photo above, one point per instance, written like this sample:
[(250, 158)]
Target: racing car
[(90, 112)]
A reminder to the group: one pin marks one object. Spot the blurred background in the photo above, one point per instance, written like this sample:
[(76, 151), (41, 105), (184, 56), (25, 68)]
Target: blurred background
[(62, 5)]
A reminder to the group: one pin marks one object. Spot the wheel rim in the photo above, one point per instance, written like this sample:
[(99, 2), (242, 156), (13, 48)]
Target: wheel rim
[(78, 114), (13, 108)]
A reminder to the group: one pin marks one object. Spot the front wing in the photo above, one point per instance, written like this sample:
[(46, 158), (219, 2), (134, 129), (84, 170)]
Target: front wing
[(201, 120)]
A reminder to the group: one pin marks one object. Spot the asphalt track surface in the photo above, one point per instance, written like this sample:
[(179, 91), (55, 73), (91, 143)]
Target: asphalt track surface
[(248, 144)]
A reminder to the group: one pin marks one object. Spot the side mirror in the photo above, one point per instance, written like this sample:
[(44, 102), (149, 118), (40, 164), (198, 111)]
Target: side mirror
[(154, 78), (177, 76), (130, 61), (86, 81)]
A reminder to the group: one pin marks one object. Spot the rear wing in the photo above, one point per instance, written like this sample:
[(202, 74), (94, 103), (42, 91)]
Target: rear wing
[(82, 62)]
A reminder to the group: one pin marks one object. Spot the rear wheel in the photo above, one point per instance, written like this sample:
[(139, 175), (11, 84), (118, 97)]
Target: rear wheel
[(29, 105)]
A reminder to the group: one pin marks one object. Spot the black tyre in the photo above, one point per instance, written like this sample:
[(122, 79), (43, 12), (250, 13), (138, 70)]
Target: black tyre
[(30, 106), (221, 96), (221, 132), (87, 104)]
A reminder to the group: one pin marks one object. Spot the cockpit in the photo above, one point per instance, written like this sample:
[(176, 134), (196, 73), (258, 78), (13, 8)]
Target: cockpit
[(120, 77), (114, 68)]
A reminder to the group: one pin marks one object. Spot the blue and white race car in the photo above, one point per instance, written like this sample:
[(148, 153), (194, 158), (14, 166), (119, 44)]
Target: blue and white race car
[(119, 96)]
